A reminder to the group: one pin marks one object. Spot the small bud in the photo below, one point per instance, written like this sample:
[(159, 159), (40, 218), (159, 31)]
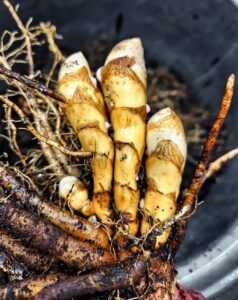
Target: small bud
[(108, 125), (142, 203), (75, 193), (148, 109), (99, 75), (66, 185)]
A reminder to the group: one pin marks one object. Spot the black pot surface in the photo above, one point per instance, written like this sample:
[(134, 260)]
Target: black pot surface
[(198, 41)]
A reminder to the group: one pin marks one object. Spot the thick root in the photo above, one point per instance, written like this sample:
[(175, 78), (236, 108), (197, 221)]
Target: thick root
[(28, 288), (72, 224), (114, 277), (200, 172), (28, 257), (47, 237), (162, 278)]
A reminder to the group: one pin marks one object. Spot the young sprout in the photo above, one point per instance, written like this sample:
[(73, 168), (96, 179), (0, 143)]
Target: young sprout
[(75, 193), (167, 150), (123, 80), (85, 111)]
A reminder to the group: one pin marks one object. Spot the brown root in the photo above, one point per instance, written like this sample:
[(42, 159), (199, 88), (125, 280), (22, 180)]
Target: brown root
[(200, 171), (26, 256), (162, 280), (28, 288), (31, 83), (72, 224), (47, 237), (114, 277), (216, 165)]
